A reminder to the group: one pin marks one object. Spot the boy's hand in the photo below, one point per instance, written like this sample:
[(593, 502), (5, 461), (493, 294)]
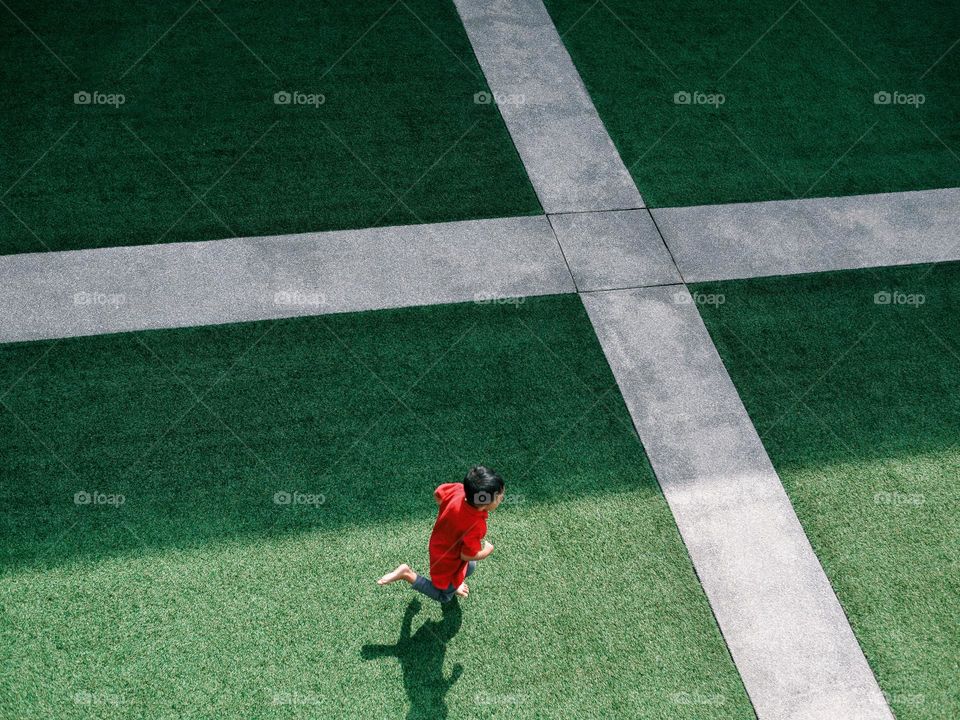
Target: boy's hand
[(485, 552)]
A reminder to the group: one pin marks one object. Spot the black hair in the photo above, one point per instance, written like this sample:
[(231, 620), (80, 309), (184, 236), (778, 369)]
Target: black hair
[(481, 485)]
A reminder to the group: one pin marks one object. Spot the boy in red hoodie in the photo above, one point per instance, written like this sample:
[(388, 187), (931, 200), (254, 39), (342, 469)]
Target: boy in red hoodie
[(456, 543)]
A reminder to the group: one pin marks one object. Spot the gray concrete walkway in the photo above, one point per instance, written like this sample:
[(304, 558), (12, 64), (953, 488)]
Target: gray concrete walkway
[(787, 633), (722, 242), (89, 292), (569, 157)]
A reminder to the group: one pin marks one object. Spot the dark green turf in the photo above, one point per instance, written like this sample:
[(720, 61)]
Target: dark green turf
[(399, 138), (796, 104), (858, 405), (201, 597)]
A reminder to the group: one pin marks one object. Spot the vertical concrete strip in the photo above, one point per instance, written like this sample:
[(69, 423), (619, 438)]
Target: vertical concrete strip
[(91, 292), (568, 154), (784, 626), (782, 237)]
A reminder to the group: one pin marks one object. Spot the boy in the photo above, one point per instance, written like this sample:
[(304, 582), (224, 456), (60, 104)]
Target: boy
[(456, 543)]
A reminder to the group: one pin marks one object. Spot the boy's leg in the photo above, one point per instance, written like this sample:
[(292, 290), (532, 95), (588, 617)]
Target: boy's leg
[(464, 590), (419, 583), (403, 572), (423, 585)]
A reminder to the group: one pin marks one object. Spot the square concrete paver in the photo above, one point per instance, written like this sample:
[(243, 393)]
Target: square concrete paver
[(609, 250)]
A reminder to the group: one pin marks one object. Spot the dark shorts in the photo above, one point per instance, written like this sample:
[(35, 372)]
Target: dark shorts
[(423, 585)]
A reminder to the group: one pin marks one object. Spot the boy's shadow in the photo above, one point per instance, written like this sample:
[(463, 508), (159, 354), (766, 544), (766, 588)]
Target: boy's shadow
[(421, 660)]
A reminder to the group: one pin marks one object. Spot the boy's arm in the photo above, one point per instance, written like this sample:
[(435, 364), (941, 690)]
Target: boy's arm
[(484, 553)]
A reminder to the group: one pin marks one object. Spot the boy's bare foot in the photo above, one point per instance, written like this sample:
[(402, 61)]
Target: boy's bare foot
[(463, 590), (403, 572)]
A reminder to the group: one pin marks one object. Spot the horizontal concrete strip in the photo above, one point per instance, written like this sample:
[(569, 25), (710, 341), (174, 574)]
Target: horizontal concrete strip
[(90, 292), (741, 240), (785, 628), (564, 145)]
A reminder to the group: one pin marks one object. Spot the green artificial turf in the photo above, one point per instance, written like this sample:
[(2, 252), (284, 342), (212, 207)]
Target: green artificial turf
[(199, 150), (858, 404), (798, 80), (200, 596)]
